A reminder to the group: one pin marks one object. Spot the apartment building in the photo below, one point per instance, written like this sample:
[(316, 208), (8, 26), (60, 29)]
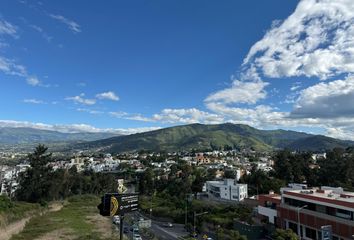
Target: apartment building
[(312, 213), (228, 189)]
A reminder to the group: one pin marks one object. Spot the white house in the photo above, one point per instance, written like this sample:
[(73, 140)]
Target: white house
[(227, 189)]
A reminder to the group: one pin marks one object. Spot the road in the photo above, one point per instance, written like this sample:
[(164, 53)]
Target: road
[(157, 228), (165, 233)]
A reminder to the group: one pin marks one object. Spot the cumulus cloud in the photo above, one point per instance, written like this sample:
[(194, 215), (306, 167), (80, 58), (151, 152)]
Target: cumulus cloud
[(240, 92), (316, 40), (174, 116), (73, 26), (81, 100), (186, 116), (326, 100), (108, 95)]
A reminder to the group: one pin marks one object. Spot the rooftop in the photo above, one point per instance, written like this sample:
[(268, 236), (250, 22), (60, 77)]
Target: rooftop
[(324, 192)]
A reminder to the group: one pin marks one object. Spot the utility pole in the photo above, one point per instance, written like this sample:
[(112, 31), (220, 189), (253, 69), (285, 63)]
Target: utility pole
[(298, 220), (186, 214), (121, 222), (194, 219)]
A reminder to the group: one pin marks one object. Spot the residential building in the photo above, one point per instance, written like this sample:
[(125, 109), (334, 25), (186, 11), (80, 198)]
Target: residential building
[(228, 189), (308, 211), (267, 208)]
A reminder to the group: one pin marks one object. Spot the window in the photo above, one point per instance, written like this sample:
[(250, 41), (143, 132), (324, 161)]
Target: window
[(293, 226), (343, 214), (310, 233)]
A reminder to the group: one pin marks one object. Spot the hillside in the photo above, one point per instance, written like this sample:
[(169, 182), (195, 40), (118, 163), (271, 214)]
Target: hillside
[(31, 135), (199, 136)]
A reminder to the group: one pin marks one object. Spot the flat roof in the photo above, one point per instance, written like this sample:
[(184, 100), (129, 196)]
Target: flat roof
[(324, 194)]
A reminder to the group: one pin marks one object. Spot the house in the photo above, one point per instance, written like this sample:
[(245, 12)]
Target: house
[(227, 189)]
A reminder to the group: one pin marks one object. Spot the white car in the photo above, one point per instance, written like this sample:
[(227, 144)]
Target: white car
[(137, 237), (116, 220)]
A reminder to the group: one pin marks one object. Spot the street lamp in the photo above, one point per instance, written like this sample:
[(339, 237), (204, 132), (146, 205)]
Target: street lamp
[(298, 220), (194, 217), (188, 199)]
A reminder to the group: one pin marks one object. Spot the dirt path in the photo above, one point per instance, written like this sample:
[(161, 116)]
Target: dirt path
[(13, 229), (16, 227)]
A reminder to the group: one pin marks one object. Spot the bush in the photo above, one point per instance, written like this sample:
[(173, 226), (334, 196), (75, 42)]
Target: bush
[(5, 203)]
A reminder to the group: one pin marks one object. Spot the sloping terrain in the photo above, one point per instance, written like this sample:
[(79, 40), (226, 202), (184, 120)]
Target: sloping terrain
[(199, 136)]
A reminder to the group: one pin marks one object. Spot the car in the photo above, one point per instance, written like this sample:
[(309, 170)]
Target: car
[(116, 220), (137, 237), (194, 234), (168, 225), (135, 229)]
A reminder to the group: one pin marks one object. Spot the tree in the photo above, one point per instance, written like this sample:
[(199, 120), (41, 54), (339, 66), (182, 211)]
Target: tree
[(281, 234), (146, 182), (235, 235), (35, 182), (229, 173)]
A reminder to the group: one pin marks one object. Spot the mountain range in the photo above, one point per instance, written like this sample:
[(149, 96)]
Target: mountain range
[(19, 135), (200, 136)]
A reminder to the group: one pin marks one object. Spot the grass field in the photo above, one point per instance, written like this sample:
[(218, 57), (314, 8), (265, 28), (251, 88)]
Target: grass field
[(78, 219), (12, 211)]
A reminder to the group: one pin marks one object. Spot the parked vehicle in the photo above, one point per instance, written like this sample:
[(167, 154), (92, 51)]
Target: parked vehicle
[(137, 237), (169, 225), (116, 220)]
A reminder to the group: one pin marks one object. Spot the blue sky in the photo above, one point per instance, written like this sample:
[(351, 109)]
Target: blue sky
[(139, 65)]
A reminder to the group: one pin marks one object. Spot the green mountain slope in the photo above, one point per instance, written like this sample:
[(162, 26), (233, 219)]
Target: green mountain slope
[(30, 135), (199, 136)]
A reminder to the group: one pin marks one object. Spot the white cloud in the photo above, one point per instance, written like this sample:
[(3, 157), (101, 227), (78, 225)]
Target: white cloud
[(186, 116), (10, 67), (295, 86), (174, 116), (326, 100), (94, 112), (7, 28), (80, 99), (240, 92), (130, 116), (316, 40), (73, 128), (108, 95), (33, 100), (33, 81), (73, 26)]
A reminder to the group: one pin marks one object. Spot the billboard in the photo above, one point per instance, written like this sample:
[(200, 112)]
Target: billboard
[(118, 204)]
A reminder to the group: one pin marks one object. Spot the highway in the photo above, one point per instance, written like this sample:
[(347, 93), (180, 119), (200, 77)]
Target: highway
[(157, 228), (165, 233)]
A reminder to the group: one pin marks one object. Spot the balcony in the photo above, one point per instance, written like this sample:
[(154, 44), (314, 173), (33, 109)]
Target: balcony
[(317, 215)]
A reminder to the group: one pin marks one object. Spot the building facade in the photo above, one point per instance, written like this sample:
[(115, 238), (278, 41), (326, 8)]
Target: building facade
[(228, 189), (312, 212)]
